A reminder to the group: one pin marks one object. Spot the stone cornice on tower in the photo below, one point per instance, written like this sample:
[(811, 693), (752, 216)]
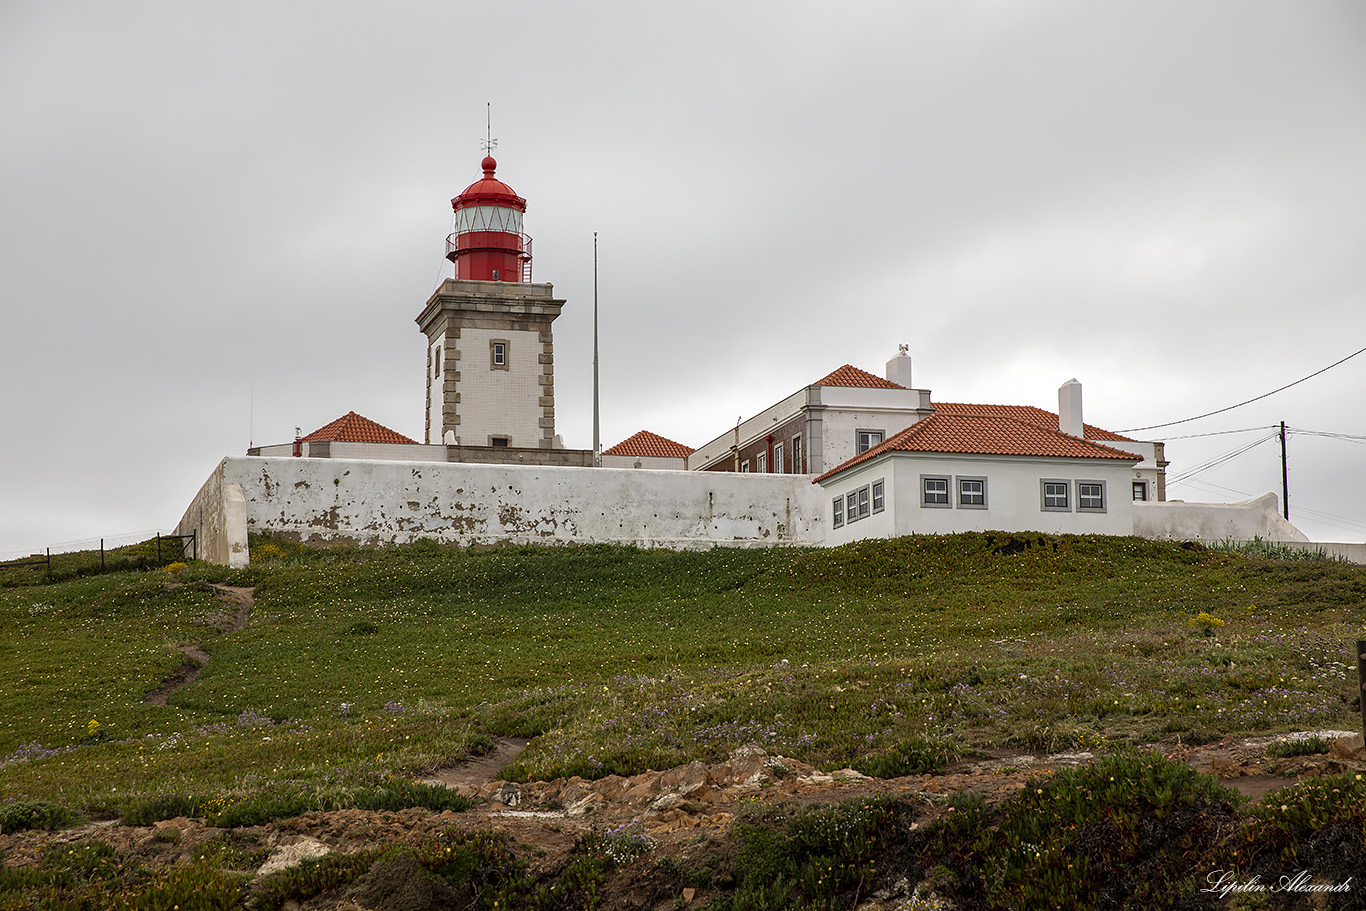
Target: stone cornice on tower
[(479, 297)]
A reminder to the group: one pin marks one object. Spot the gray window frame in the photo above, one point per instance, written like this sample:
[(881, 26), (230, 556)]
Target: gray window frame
[(1104, 499), (879, 495), (1043, 494), (838, 521), (1140, 489), (958, 491), (948, 491), (881, 438)]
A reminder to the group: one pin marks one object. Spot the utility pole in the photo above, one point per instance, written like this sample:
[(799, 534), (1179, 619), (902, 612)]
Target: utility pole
[(1285, 477)]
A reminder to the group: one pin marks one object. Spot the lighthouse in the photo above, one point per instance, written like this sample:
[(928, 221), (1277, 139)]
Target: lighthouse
[(490, 356)]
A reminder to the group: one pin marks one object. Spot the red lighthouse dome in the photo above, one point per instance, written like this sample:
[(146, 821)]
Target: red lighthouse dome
[(488, 243)]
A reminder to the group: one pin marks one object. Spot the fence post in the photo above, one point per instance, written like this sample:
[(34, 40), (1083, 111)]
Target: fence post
[(158, 548), (1361, 682), (49, 561), (101, 554)]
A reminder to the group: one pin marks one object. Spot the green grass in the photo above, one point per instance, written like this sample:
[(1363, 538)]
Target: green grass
[(890, 655)]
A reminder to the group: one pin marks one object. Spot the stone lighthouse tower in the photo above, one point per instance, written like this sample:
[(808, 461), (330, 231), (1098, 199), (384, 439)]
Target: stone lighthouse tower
[(490, 359)]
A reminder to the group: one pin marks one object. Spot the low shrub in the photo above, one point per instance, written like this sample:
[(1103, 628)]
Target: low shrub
[(1304, 746), (19, 815)]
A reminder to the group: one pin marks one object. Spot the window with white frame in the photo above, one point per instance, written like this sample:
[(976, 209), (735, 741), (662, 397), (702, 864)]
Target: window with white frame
[(1140, 490), (934, 491), (972, 493), (1055, 495), (797, 454), (839, 511), (863, 501), (761, 462), (866, 440), (879, 496), (498, 354), (778, 458), (744, 466), (851, 506), (1090, 496)]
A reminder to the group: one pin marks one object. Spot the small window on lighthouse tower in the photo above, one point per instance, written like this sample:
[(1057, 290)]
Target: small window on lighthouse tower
[(498, 354)]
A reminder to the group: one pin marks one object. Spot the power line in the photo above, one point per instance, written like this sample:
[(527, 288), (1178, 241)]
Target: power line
[(1220, 459), (1249, 401), (1219, 433)]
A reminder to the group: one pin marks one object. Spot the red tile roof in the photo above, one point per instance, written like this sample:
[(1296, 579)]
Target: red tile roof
[(353, 428), (646, 443), (947, 431), (852, 376), (1030, 415)]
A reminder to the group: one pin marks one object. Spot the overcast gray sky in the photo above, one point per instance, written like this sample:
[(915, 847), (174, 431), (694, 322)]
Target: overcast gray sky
[(221, 219)]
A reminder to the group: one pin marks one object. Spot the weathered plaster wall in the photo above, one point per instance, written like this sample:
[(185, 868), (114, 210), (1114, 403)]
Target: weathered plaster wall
[(1183, 521), (218, 519), (379, 503)]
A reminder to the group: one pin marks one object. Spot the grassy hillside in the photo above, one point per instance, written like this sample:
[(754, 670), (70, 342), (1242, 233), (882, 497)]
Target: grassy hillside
[(887, 655)]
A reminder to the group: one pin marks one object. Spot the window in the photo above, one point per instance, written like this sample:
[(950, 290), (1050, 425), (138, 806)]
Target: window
[(744, 466), (778, 457), (839, 512), (761, 462), (498, 354), (797, 454), (851, 506), (1055, 496), (499, 441), (934, 491), (879, 499), (863, 502), (972, 493), (866, 440), (1091, 496), (1140, 490), (436, 362)]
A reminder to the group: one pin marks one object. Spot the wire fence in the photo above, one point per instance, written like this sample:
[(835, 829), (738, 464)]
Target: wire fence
[(135, 550)]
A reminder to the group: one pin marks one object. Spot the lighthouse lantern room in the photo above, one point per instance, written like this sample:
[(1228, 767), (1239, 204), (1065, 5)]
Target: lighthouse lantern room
[(488, 243)]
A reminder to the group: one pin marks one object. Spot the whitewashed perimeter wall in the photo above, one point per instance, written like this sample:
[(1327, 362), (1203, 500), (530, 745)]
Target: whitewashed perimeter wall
[(381, 503), (1213, 522), (217, 517)]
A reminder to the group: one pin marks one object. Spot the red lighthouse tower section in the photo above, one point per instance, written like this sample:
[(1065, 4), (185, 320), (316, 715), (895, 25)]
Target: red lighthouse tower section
[(488, 244)]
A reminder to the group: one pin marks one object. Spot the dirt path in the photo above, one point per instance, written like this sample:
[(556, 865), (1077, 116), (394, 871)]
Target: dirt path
[(482, 769), (234, 596)]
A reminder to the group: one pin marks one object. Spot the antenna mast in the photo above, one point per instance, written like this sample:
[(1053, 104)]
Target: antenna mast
[(489, 143)]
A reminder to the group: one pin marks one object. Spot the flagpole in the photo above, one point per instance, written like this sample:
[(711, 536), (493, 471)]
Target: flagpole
[(597, 442)]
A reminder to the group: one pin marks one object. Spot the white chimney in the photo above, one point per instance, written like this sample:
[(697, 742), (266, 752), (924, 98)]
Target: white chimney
[(899, 367), (1069, 408)]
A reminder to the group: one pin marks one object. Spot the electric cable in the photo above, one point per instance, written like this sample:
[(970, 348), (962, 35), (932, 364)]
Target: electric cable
[(1249, 401)]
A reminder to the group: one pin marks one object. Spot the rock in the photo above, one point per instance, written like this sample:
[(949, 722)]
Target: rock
[(508, 794), (291, 854), (1223, 767), (666, 802), (688, 895), (687, 779), (1348, 749)]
